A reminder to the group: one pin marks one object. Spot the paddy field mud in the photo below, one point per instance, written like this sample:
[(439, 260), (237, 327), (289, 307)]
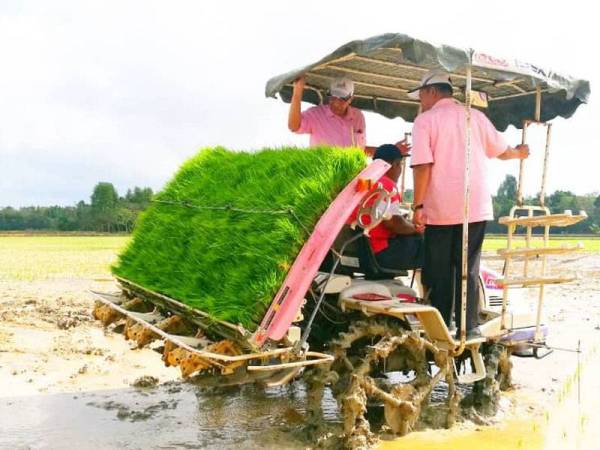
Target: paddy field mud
[(65, 382)]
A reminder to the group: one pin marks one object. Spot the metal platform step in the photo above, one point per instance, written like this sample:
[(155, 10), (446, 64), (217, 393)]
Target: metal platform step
[(553, 220), (538, 281), (533, 251)]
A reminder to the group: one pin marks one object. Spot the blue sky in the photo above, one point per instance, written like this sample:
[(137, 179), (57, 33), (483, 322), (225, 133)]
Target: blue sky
[(125, 91)]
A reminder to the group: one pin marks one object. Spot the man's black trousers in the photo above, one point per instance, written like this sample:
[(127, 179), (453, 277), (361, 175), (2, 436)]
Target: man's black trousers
[(402, 253), (443, 267)]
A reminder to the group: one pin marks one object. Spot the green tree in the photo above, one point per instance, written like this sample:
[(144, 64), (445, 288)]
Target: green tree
[(559, 201), (105, 200), (595, 216), (503, 201), (104, 197), (107, 212), (125, 218), (139, 198), (508, 188)]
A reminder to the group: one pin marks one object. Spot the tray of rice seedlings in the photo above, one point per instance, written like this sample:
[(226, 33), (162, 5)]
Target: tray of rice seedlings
[(209, 254)]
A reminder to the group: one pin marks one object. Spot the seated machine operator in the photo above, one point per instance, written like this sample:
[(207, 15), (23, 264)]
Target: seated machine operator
[(395, 242)]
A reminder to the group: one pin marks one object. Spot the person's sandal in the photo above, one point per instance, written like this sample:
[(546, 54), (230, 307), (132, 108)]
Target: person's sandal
[(474, 333)]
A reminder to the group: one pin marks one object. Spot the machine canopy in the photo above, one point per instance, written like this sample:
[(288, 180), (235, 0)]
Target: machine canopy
[(385, 67)]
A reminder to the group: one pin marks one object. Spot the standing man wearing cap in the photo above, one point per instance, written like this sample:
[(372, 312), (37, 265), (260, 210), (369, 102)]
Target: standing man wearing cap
[(336, 123), (438, 162)]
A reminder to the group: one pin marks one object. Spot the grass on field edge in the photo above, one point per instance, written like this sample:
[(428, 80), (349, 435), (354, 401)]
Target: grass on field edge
[(37, 257), (52, 233)]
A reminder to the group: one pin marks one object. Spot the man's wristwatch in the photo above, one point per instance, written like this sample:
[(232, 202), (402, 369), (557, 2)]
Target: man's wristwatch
[(415, 207)]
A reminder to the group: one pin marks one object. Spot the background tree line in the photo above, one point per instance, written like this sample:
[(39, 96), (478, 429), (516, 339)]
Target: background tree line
[(557, 202), (106, 212)]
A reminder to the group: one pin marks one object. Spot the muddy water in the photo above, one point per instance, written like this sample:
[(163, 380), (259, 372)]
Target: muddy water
[(169, 416), (181, 415), (184, 416), (177, 415)]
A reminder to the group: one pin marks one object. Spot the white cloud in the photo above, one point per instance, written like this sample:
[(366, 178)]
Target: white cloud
[(125, 91)]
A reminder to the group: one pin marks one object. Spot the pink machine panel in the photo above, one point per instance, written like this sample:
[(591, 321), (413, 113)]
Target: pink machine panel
[(287, 302)]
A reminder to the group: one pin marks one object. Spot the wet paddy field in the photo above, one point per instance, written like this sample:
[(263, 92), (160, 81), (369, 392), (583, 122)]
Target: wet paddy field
[(67, 383)]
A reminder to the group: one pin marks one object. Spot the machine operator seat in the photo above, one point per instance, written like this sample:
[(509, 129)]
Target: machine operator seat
[(358, 258)]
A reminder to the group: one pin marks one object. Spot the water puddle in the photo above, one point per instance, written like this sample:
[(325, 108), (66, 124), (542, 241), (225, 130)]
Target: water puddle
[(182, 415), (174, 415), (177, 415)]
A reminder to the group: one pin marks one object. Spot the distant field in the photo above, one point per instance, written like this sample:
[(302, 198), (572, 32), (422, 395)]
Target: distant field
[(590, 243), (38, 257), (29, 258)]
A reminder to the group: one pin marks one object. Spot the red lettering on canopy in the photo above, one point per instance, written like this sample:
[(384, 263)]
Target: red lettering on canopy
[(490, 60)]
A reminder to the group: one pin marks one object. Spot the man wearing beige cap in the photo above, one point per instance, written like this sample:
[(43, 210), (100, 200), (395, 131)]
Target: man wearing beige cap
[(336, 123), (438, 162)]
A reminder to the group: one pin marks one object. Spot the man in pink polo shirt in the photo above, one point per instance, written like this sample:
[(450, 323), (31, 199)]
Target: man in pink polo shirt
[(336, 123), (438, 161)]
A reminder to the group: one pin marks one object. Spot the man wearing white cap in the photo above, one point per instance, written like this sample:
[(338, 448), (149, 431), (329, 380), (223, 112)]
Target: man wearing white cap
[(438, 162), (336, 123)]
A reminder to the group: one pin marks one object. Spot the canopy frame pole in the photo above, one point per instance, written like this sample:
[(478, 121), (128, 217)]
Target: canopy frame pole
[(316, 90), (506, 271), (414, 67), (538, 337), (538, 103), (319, 94), (364, 83), (402, 183), (465, 226), (538, 114), (538, 110), (545, 169), (504, 97), (522, 166)]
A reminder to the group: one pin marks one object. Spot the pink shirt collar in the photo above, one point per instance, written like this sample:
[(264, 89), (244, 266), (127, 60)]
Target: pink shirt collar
[(445, 101), (349, 114)]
